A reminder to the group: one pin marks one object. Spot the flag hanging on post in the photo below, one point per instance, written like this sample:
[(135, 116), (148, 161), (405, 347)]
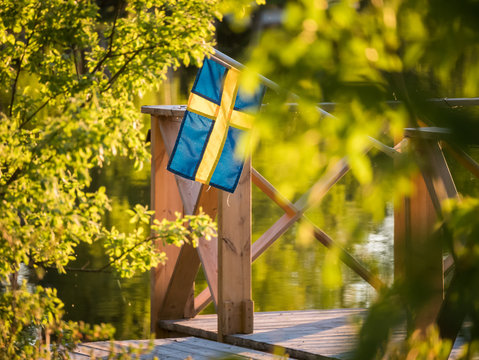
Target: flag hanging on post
[(218, 113)]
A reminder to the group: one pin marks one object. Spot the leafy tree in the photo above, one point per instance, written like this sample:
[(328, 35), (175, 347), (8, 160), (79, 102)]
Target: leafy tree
[(362, 54), (68, 79)]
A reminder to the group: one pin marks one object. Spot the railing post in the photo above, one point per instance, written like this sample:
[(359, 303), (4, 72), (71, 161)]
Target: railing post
[(418, 249), (165, 201), (235, 306)]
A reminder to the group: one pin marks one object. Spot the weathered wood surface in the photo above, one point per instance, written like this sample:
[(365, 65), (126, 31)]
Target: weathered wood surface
[(165, 200), (170, 349), (235, 307), (309, 334)]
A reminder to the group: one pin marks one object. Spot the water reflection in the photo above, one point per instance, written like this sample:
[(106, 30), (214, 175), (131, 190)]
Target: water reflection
[(288, 276)]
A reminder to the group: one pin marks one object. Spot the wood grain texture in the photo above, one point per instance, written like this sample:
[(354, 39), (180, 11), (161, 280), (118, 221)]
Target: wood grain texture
[(165, 201), (310, 334), (306, 334), (234, 256), (424, 263), (435, 172), (180, 286), (174, 111), (173, 348), (189, 190), (208, 250)]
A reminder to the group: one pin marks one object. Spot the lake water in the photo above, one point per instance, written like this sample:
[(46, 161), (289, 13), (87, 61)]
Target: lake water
[(288, 276)]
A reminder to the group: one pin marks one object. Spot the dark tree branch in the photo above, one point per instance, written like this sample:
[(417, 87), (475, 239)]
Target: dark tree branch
[(17, 75), (105, 267), (14, 87), (14, 177), (32, 115), (127, 251), (77, 70), (19, 66), (110, 40), (122, 69)]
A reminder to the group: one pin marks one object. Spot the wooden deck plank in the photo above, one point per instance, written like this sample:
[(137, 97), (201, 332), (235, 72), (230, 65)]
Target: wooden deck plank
[(172, 348), (165, 201), (235, 307), (310, 334)]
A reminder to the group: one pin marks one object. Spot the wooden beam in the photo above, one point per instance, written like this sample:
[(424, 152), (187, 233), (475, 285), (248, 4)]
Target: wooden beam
[(202, 300), (189, 190), (463, 158), (435, 172), (320, 235), (391, 152), (208, 250), (440, 186), (310, 198), (165, 201), (181, 285), (177, 304), (348, 259), (424, 263), (273, 233), (332, 176), (268, 189), (235, 310)]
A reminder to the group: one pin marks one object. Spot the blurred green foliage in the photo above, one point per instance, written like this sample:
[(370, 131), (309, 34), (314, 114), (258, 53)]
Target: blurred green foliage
[(362, 55), (68, 79), (69, 74)]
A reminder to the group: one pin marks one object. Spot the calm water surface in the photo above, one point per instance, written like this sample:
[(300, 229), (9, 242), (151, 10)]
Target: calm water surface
[(290, 275)]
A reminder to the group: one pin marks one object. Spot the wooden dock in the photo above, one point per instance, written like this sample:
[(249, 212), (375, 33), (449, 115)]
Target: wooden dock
[(170, 349), (226, 259), (310, 334)]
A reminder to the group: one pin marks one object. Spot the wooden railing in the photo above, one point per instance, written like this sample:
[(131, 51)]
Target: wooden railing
[(227, 262)]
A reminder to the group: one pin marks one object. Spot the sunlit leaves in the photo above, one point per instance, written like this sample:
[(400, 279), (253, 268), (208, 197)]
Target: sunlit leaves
[(68, 80), (361, 54), (32, 327), (136, 252)]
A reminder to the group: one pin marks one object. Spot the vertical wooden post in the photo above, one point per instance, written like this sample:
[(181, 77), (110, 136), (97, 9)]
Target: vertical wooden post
[(235, 306), (424, 263), (418, 252), (165, 201), (401, 218)]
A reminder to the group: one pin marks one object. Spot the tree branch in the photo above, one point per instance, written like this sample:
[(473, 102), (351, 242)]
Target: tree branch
[(32, 115), (127, 251), (110, 39), (19, 69), (121, 70), (105, 267)]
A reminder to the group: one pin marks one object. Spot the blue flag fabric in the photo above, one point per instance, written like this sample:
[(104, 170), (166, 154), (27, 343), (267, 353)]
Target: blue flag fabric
[(218, 113)]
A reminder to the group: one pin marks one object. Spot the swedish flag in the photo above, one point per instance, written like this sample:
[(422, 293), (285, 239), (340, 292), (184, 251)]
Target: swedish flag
[(217, 114)]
